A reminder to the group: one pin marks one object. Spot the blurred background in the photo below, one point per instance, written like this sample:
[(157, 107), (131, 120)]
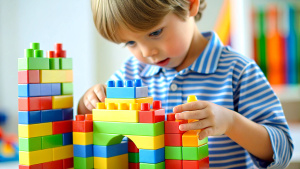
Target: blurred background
[(267, 31)]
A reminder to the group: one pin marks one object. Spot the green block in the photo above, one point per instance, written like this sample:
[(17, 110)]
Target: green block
[(35, 46), (160, 165), (30, 144), (83, 163), (28, 53), (52, 141), (54, 63), (173, 153), (134, 157), (203, 141), (38, 53), (65, 63), (195, 153), (139, 129), (32, 63), (67, 88), (103, 139)]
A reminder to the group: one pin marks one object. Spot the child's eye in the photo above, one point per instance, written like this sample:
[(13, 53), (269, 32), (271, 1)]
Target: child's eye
[(156, 33), (130, 43)]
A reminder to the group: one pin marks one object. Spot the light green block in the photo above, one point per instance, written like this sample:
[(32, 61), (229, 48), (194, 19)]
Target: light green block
[(30, 144), (66, 88), (195, 153), (139, 129), (203, 141), (173, 153), (83, 163), (103, 139), (52, 141), (134, 157), (54, 63), (32, 63), (160, 165), (203, 151), (65, 63), (35, 45)]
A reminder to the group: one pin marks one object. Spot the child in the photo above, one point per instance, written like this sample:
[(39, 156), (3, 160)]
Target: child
[(237, 108)]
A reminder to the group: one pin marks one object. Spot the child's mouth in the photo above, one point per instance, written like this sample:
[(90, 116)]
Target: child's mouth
[(163, 62)]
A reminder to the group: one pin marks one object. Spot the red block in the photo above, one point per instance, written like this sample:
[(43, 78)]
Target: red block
[(134, 165), (173, 164), (46, 103), (36, 166), (28, 76), (1, 133), (68, 163), (29, 103), (172, 127), (201, 164), (83, 124), (50, 54), (171, 117), (132, 148), (53, 165), (173, 140), (60, 127), (147, 115)]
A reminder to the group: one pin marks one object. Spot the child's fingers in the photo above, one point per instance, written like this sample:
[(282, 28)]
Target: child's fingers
[(191, 115), (88, 104), (201, 124), (205, 133), (198, 105), (100, 92), (93, 100)]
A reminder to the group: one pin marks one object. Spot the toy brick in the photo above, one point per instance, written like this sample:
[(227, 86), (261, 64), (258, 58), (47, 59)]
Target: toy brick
[(152, 156), (46, 89), (62, 102), (84, 151), (65, 63), (67, 114), (29, 90), (28, 76), (30, 144), (35, 157), (134, 165), (52, 141), (143, 129), (128, 101), (51, 115), (84, 163), (172, 127), (33, 63), (195, 153), (29, 117), (111, 151), (36, 166), (175, 164), (58, 164), (35, 130), (67, 138), (191, 98), (119, 162), (104, 139), (29, 103), (60, 127), (171, 117), (46, 102), (133, 158), (173, 139), (35, 45), (63, 152), (128, 91), (147, 115), (83, 124), (148, 142), (55, 89), (68, 163), (201, 164), (54, 63), (190, 139), (82, 138), (160, 165), (66, 88), (132, 148), (56, 76), (173, 153)]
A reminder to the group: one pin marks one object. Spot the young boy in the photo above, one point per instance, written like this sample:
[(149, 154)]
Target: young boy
[(237, 108)]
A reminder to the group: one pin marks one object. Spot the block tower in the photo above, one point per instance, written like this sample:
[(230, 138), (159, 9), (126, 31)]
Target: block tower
[(45, 92)]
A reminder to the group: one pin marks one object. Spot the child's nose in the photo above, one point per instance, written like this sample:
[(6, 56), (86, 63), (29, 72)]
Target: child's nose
[(148, 51)]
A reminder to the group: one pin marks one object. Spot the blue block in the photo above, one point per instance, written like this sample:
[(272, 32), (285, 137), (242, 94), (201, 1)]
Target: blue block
[(83, 150), (29, 90), (56, 89), (67, 114), (45, 89), (152, 156), (29, 117), (51, 115), (127, 91), (67, 138), (111, 151)]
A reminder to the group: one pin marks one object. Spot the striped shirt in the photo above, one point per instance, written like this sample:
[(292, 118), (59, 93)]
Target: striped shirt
[(226, 78)]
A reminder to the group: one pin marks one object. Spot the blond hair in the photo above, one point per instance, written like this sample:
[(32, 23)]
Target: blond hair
[(136, 15)]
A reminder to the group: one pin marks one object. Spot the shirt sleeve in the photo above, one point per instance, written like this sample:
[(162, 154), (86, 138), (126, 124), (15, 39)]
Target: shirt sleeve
[(255, 99)]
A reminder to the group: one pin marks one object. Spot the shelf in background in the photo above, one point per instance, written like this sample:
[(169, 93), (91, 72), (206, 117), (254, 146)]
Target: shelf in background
[(287, 92)]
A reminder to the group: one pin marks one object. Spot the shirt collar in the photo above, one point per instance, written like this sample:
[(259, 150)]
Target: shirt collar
[(206, 63)]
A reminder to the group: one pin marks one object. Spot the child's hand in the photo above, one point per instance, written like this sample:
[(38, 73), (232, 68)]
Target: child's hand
[(94, 95), (212, 119)]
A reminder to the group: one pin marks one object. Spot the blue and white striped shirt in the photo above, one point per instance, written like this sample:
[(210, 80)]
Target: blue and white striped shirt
[(226, 78)]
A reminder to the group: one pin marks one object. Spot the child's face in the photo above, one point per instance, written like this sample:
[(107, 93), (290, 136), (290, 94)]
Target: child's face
[(166, 45)]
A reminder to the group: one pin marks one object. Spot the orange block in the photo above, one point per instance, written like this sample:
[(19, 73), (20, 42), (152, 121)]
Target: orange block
[(190, 139)]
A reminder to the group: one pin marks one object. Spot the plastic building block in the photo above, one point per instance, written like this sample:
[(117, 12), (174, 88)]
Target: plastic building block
[(54, 63), (35, 157), (148, 142), (103, 139), (84, 151), (51, 115), (33, 63), (67, 114), (65, 63), (119, 162), (29, 117), (28, 76), (60, 127), (29, 90), (52, 141), (84, 163), (36, 166), (66, 88), (147, 115), (35, 45), (68, 163), (172, 127), (191, 98), (111, 151), (82, 138), (171, 117), (173, 139), (53, 164), (128, 101), (143, 129), (190, 139), (30, 144), (195, 153), (129, 90), (67, 138), (62, 152), (46, 89), (34, 130), (82, 125), (132, 148), (29, 103), (134, 165), (56, 76), (62, 102), (152, 156), (201, 164), (46, 102), (174, 164), (56, 89), (160, 165), (133, 158), (173, 153)]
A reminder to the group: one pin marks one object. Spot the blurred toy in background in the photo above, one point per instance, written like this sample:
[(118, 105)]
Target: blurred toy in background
[(9, 150)]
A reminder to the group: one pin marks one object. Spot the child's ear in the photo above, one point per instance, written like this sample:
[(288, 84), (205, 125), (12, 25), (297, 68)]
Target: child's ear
[(194, 7)]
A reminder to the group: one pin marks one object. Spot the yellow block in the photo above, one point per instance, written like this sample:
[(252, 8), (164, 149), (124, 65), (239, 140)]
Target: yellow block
[(116, 115), (35, 157), (63, 152), (35, 130), (148, 142), (56, 76), (62, 102), (81, 138), (116, 162), (128, 101)]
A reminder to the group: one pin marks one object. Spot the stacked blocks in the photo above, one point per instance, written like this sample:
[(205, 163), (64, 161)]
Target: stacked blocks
[(45, 109)]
